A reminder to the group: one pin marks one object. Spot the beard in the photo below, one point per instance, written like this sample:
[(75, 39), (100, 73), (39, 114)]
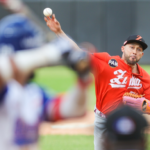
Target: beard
[(130, 62)]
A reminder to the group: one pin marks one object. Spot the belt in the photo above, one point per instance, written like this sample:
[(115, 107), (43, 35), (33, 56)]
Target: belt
[(99, 113)]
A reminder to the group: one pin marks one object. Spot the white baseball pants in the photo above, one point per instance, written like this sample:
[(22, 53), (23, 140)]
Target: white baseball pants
[(98, 132)]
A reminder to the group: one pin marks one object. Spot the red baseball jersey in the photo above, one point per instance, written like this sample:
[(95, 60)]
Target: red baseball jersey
[(113, 77)]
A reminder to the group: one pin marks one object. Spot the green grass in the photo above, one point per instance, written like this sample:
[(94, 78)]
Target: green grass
[(66, 142), (70, 142), (148, 143), (60, 79), (146, 67)]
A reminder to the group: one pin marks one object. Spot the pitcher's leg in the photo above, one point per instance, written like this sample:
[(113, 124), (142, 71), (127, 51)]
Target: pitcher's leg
[(98, 132)]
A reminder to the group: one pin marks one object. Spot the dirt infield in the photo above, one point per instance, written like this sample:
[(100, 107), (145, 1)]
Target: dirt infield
[(83, 125)]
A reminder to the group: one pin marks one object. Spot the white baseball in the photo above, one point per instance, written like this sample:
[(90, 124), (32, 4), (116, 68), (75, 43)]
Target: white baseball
[(47, 12)]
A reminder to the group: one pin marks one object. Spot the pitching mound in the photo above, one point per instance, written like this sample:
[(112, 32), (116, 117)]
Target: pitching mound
[(83, 125)]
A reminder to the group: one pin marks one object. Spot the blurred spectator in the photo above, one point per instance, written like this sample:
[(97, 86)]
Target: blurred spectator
[(23, 104), (125, 130)]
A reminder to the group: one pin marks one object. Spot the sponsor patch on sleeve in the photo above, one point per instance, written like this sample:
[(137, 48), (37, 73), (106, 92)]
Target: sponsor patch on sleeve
[(113, 63)]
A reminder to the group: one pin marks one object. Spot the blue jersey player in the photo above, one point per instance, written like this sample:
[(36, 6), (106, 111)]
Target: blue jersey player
[(23, 104)]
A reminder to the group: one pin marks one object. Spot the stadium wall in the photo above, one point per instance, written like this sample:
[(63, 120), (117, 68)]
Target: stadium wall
[(105, 23)]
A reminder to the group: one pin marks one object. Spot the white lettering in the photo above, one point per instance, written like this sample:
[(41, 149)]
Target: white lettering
[(117, 86), (120, 81), (116, 82), (125, 80), (135, 83), (112, 62)]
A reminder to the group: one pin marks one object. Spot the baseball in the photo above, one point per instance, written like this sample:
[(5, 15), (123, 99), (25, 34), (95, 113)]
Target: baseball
[(47, 12)]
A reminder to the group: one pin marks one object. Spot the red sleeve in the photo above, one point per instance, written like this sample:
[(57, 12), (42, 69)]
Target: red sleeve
[(147, 93), (98, 61), (147, 89)]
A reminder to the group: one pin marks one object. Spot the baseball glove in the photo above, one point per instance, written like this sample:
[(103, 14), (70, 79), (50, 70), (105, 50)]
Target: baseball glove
[(137, 101)]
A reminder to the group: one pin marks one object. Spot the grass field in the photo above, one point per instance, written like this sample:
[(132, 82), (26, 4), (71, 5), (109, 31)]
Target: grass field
[(66, 142), (69, 142), (60, 79)]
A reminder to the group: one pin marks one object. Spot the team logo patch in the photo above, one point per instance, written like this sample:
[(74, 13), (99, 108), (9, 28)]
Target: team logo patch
[(113, 63)]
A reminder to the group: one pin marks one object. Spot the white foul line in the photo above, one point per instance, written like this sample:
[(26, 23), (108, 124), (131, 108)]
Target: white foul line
[(72, 126)]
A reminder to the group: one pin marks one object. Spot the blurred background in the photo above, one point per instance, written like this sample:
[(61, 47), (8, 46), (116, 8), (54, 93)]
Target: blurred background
[(105, 23)]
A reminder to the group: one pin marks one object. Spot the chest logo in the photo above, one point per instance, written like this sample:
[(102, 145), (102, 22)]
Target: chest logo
[(113, 63), (135, 83), (120, 81)]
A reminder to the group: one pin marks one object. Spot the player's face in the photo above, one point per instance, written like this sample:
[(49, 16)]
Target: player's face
[(132, 53)]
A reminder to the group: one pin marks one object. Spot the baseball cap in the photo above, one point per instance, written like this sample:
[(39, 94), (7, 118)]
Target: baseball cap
[(125, 124), (136, 38)]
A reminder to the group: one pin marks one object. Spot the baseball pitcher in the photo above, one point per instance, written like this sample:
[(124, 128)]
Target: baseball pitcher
[(118, 80)]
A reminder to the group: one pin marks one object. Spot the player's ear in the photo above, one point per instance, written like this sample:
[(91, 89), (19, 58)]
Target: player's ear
[(122, 48)]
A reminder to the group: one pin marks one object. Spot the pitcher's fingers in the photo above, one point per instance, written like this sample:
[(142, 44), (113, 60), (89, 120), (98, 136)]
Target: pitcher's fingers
[(49, 18), (45, 19), (53, 17)]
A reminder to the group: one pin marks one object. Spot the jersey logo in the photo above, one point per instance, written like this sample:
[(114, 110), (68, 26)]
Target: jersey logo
[(135, 83), (139, 37), (113, 63), (120, 81)]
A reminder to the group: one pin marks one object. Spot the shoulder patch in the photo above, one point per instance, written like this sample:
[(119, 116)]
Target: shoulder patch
[(113, 63)]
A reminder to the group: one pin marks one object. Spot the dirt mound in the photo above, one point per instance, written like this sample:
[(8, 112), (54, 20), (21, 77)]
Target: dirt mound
[(83, 125)]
